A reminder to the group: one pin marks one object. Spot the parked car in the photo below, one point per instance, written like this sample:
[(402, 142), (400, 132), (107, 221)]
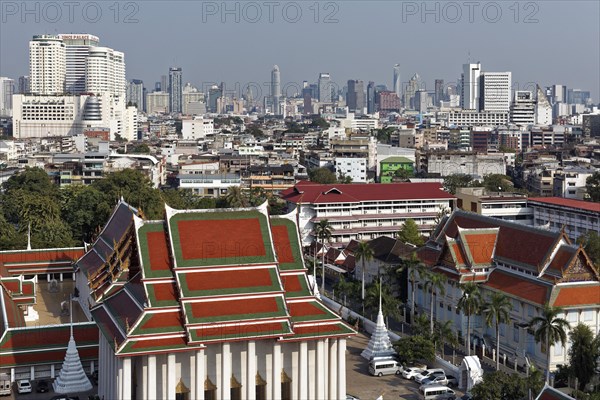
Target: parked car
[(466, 396), (23, 386), (429, 373), (410, 373), (65, 397), (42, 387), (350, 397), (444, 380)]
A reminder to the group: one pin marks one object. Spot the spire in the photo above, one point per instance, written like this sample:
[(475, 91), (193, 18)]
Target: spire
[(29, 237), (380, 312), (380, 344)]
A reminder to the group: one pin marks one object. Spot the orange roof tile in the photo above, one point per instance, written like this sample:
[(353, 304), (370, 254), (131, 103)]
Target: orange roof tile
[(480, 246), (518, 286), (578, 295)]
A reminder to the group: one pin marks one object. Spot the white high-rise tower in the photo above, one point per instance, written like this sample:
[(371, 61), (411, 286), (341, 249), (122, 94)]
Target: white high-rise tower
[(496, 93), (105, 72), (325, 88), (397, 82), (276, 90), (469, 99), (47, 65), (77, 50)]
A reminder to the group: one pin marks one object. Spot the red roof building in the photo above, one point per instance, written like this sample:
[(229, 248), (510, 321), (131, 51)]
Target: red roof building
[(366, 211), (576, 216), (215, 300), (532, 266)]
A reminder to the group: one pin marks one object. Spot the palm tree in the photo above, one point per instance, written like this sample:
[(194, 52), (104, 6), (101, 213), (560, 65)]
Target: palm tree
[(414, 267), (443, 333), (434, 282), (323, 231), (363, 253), (469, 304), (549, 328), (390, 305), (420, 325), (235, 198), (497, 311)]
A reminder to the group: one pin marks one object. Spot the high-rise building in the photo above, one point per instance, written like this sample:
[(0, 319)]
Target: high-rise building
[(522, 110), (47, 65), (214, 93), (164, 83), (397, 83), (469, 99), (543, 110), (77, 49), (135, 94), (23, 84), (495, 91), (439, 92), (157, 103), (193, 100), (413, 85), (7, 89), (371, 97), (578, 96), (276, 90), (355, 97), (105, 72), (325, 88), (175, 90), (307, 100), (388, 101)]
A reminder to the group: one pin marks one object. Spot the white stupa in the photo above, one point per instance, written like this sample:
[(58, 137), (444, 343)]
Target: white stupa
[(380, 344), (72, 377)]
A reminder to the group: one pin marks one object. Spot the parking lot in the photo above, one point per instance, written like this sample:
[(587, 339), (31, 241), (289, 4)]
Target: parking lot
[(363, 385), (48, 395)]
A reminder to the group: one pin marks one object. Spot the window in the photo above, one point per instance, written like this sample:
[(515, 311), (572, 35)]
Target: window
[(588, 315), (558, 349), (572, 316)]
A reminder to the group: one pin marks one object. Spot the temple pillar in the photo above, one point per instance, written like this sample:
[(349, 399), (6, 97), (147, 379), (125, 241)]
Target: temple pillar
[(151, 377), (303, 371), (200, 374), (251, 371), (276, 381)]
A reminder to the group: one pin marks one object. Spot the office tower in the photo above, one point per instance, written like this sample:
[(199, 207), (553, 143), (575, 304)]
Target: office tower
[(495, 91), (276, 90), (164, 84), (325, 88), (157, 103), (23, 84), (47, 65), (314, 90), (397, 83), (135, 94), (214, 93), (7, 89), (157, 87), (559, 93), (439, 92), (413, 85), (469, 99), (193, 100), (388, 101), (105, 72), (175, 90), (77, 48), (307, 100), (371, 97), (522, 110), (578, 96), (355, 96), (421, 101)]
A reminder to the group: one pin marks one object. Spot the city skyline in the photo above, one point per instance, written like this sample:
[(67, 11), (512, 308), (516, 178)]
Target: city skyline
[(244, 63)]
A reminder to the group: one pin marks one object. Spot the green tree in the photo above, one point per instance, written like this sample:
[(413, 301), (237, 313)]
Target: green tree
[(403, 174), (500, 386), (444, 334), (455, 181), (236, 198), (142, 148), (322, 175), (52, 233), (415, 348), (32, 180), (362, 254), (420, 326), (409, 233), (549, 329), (323, 231), (319, 123), (9, 237), (434, 283), (592, 186), (469, 304), (85, 209), (591, 243), (346, 288), (497, 311), (497, 183), (582, 354), (414, 267), (390, 305)]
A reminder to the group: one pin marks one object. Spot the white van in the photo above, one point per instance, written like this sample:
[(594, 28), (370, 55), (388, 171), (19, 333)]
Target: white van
[(435, 392), (5, 384), (385, 367)]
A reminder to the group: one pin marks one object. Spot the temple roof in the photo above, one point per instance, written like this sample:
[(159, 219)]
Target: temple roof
[(208, 276)]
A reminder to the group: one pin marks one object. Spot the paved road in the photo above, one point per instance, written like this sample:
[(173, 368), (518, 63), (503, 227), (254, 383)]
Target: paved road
[(363, 385)]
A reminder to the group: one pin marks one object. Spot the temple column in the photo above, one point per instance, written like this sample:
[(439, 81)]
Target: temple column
[(32, 373), (171, 377), (92, 367), (251, 371), (333, 376), (326, 365), (52, 371), (200, 374), (320, 369), (151, 377), (226, 370), (119, 370), (341, 365), (126, 380), (276, 381), (303, 371)]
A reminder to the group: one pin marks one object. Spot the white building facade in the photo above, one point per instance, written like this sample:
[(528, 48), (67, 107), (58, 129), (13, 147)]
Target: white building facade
[(353, 168), (47, 65), (197, 128)]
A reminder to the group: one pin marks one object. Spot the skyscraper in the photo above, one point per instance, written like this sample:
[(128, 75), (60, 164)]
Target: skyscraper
[(439, 92), (175, 90), (276, 90), (164, 84), (135, 93), (23, 84), (7, 88), (413, 85), (355, 97), (495, 91), (371, 97), (105, 72), (397, 83), (77, 48), (469, 99), (325, 87), (47, 65)]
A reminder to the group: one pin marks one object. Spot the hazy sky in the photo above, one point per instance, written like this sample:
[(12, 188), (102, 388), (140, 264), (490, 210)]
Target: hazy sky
[(545, 41)]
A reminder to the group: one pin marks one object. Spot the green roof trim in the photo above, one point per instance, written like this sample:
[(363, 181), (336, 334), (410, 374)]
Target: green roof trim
[(327, 314), (298, 263), (140, 330), (243, 288), (233, 316), (128, 348), (397, 159), (269, 257), (145, 253), (324, 331)]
